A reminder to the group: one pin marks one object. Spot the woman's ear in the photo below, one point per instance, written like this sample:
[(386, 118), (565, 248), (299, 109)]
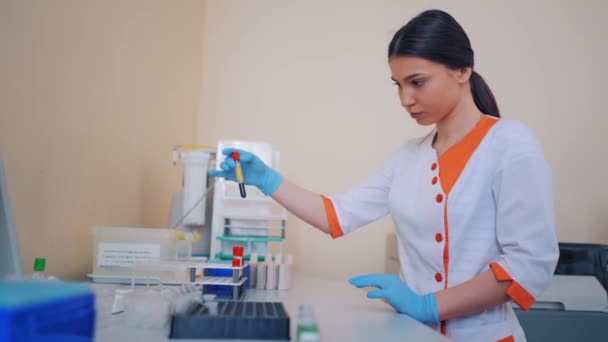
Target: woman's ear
[(463, 75)]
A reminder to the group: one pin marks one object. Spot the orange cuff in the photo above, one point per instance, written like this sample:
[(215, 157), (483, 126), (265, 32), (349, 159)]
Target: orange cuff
[(332, 218), (519, 295)]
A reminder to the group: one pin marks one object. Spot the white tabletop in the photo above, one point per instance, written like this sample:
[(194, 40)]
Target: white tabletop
[(343, 313)]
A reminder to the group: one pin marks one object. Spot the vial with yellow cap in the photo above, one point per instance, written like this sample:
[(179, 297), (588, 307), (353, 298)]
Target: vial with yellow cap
[(239, 173)]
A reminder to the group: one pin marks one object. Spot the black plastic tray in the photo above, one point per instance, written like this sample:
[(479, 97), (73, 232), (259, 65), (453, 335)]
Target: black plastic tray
[(235, 320)]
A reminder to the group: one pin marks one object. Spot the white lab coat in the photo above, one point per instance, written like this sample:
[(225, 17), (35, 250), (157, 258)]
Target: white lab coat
[(485, 203)]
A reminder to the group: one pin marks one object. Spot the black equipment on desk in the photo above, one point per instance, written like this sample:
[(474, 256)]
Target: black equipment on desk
[(584, 259), (539, 325)]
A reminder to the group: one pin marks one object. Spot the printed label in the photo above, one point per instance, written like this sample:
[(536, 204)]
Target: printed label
[(126, 254)]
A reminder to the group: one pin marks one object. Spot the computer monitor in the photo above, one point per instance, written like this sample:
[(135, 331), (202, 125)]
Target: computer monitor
[(10, 259)]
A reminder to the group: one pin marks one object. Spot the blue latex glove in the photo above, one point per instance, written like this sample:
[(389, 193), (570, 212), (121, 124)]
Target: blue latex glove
[(255, 172), (401, 297)]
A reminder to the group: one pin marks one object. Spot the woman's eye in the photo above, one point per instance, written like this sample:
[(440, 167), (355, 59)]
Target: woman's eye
[(418, 83)]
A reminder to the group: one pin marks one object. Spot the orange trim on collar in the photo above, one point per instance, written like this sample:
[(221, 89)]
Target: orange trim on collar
[(332, 218), (453, 161), (517, 292)]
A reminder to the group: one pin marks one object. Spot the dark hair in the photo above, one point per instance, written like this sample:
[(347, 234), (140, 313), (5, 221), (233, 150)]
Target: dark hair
[(435, 35)]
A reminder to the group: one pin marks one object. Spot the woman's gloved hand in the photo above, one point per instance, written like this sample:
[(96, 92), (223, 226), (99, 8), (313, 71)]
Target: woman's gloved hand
[(255, 172), (400, 296)]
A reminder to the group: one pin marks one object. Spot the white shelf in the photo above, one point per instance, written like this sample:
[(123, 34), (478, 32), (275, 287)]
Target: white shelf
[(252, 227), (177, 266), (138, 280), (110, 279), (222, 266), (250, 200), (269, 217), (219, 281)]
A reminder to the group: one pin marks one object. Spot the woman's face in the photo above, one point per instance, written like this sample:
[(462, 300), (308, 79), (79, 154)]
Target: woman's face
[(429, 91)]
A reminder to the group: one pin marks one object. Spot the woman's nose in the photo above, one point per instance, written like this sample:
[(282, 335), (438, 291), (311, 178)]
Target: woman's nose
[(407, 100)]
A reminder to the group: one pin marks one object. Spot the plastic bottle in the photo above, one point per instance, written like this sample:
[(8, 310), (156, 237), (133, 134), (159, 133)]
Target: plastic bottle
[(307, 330), (284, 277), (39, 266)]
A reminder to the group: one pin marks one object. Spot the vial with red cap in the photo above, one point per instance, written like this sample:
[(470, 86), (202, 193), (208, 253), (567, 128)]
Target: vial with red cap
[(237, 256), (239, 173)]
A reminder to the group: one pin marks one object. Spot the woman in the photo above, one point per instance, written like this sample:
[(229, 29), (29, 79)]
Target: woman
[(471, 202)]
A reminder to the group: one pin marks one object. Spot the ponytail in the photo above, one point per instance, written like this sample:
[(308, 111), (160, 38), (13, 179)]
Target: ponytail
[(482, 95)]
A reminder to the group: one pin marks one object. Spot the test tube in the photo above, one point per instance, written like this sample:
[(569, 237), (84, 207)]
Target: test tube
[(239, 173), (260, 282), (271, 273), (237, 261), (237, 254), (253, 268), (192, 274)]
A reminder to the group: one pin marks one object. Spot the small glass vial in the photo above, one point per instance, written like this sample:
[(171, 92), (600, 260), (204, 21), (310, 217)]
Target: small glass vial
[(307, 330), (39, 266)]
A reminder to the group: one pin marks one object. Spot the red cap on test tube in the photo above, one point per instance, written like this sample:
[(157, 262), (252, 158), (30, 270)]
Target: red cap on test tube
[(238, 172), (238, 251), (236, 262)]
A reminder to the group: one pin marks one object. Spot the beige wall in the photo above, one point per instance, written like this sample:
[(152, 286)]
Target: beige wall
[(311, 77), (93, 95)]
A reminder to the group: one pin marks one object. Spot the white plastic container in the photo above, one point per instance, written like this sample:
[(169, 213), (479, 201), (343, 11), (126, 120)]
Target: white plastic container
[(116, 249)]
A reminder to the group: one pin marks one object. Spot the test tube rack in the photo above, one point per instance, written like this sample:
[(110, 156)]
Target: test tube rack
[(211, 277), (217, 277), (234, 320)]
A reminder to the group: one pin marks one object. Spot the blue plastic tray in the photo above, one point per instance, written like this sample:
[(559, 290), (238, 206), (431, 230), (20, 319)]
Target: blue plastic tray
[(225, 291), (46, 311)]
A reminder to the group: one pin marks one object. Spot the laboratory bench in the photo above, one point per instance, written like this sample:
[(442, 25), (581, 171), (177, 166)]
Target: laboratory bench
[(343, 313)]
